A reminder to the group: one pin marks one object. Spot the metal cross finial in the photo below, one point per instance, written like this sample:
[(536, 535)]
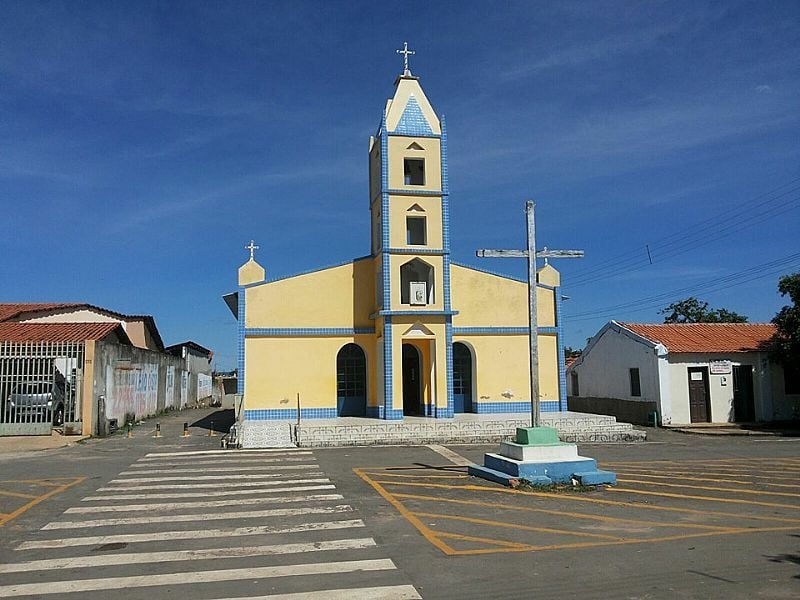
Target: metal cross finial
[(405, 52), (252, 247)]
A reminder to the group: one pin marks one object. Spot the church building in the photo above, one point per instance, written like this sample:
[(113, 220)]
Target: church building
[(403, 330)]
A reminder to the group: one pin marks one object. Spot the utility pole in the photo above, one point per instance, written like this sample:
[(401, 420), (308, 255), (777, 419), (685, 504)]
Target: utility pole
[(533, 330)]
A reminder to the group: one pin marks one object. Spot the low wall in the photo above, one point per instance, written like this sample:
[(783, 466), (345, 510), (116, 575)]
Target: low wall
[(627, 411)]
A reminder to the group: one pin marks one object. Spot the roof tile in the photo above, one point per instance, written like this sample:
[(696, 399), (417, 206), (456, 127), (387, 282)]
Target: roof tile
[(58, 332), (707, 337)]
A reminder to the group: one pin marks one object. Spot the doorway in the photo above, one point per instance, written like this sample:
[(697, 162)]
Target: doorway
[(351, 382), (462, 378), (744, 407), (699, 400), (412, 381)]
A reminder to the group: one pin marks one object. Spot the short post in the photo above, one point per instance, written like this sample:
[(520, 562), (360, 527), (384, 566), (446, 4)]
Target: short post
[(158, 430), (185, 430), (130, 432), (211, 432)]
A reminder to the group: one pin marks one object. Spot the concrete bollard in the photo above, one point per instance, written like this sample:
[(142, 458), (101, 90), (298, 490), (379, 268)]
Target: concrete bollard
[(158, 430), (130, 431), (211, 432), (185, 430)]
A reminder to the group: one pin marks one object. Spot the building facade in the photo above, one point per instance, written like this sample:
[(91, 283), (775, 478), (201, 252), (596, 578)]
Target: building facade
[(404, 330)]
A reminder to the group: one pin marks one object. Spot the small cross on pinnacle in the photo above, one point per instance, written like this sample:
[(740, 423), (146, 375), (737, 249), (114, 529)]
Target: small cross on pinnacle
[(405, 52), (252, 247)]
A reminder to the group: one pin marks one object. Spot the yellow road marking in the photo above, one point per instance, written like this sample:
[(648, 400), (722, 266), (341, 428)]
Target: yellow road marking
[(707, 498), (688, 474), (38, 499), (710, 488), (16, 494), (419, 476), (472, 538), (517, 526)]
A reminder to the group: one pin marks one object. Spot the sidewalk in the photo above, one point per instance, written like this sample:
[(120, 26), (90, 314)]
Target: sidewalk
[(777, 429)]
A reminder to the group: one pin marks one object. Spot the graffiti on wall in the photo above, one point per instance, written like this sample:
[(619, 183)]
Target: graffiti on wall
[(184, 388), (170, 400), (203, 386), (131, 390)]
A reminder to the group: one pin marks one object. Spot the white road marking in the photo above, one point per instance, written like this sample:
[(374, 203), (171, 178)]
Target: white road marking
[(208, 504), (211, 484), (178, 464), (254, 514), (453, 457), (225, 452), (137, 558), (130, 538), (230, 457), (210, 477), (205, 493), (387, 592), (182, 578), (230, 469)]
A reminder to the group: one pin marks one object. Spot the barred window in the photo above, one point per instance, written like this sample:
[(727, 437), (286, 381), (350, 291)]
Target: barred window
[(351, 371)]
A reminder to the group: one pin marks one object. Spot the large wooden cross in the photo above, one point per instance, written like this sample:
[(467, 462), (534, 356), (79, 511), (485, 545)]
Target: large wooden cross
[(531, 254)]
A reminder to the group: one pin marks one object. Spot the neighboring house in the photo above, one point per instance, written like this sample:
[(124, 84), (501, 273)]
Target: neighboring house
[(140, 329), (81, 368), (197, 360), (403, 331), (687, 373)]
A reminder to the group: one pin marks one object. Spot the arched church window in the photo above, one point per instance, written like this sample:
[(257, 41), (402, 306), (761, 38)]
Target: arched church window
[(351, 381), (416, 283)]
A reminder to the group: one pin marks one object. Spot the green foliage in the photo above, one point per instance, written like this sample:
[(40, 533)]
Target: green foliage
[(693, 310), (569, 352), (786, 344)]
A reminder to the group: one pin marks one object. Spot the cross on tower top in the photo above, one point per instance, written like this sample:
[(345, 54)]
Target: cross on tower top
[(405, 52), (252, 247)]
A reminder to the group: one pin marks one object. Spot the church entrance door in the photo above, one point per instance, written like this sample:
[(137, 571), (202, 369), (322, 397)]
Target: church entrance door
[(462, 378), (412, 381)]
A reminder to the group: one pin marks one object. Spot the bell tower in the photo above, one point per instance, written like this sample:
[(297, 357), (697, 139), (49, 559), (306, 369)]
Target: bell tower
[(411, 242)]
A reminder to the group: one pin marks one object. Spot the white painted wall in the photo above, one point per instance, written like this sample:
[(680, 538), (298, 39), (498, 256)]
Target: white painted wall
[(603, 371)]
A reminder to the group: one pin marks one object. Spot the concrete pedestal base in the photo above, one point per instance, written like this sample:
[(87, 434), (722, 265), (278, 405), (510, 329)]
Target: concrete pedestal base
[(538, 457)]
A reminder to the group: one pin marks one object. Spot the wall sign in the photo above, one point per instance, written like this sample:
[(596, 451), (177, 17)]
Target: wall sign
[(720, 367)]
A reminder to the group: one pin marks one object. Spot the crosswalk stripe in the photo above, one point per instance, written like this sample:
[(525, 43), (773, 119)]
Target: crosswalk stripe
[(121, 487), (226, 452), (386, 592), (227, 469), (206, 504), (153, 580), (131, 538), (131, 558), (208, 477), (207, 494), (253, 514), (232, 458), (229, 463)]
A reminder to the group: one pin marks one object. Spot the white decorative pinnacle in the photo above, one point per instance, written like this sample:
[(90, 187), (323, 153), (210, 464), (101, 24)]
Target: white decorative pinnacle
[(405, 52), (252, 247)]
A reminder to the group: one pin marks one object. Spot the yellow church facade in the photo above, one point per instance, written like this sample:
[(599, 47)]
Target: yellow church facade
[(404, 330)]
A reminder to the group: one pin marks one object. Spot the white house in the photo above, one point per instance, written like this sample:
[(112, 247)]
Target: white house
[(687, 373)]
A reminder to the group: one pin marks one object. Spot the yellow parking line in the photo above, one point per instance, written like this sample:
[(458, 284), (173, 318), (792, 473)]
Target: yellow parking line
[(14, 514), (517, 526), (586, 516), (471, 538), (418, 476), (689, 474), (706, 498), (16, 494), (710, 488)]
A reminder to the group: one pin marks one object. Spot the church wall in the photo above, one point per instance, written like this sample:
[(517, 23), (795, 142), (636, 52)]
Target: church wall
[(278, 368), (342, 297)]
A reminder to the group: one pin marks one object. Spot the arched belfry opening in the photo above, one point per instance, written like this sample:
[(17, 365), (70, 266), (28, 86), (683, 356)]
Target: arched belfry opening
[(416, 283)]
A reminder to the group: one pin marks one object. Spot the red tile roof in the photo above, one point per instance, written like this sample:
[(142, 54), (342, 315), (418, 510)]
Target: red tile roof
[(707, 337), (59, 332), (9, 310)]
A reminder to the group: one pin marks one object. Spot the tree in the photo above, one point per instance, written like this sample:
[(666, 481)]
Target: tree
[(693, 310), (570, 352), (786, 343)]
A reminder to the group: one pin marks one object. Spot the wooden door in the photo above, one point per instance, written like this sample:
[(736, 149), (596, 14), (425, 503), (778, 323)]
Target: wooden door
[(699, 401), (744, 408)]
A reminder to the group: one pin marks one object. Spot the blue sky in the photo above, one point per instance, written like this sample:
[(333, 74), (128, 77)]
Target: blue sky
[(142, 145)]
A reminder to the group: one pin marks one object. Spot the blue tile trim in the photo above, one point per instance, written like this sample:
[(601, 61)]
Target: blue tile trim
[(414, 250), (481, 270), (562, 371), (272, 414), (448, 332), (412, 121), (240, 343), (387, 407), (445, 188), (306, 331), (405, 313), (385, 263), (514, 407), (412, 192), (544, 286), (414, 135), (502, 330)]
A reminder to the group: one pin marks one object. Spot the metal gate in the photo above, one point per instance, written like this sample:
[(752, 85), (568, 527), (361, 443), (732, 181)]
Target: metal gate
[(40, 387)]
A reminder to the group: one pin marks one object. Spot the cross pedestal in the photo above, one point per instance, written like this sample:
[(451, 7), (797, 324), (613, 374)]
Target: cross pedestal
[(536, 454)]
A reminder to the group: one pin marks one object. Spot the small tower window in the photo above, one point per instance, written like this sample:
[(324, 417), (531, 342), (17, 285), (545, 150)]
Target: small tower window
[(414, 171), (416, 234), (416, 283)]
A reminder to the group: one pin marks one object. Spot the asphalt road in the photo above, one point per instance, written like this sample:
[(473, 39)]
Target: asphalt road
[(691, 517)]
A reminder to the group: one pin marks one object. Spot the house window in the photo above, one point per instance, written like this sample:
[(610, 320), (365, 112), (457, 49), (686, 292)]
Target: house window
[(414, 171), (636, 388), (791, 379), (416, 234)]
